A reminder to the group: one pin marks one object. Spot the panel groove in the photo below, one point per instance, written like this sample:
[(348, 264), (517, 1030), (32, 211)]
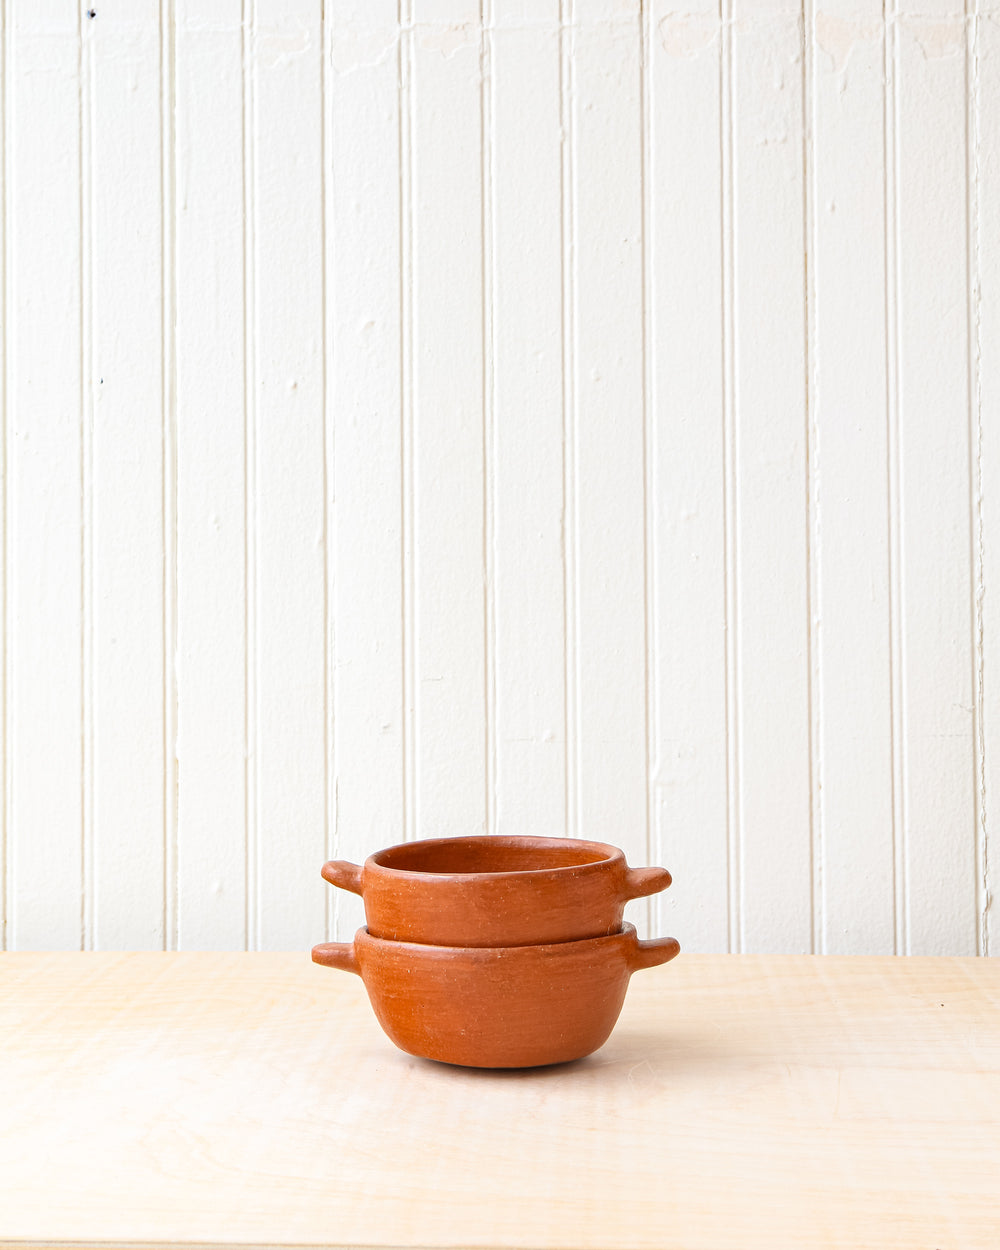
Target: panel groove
[(406, 345), (649, 588), (251, 735), (168, 271), (892, 342), (730, 540), (974, 280), (488, 205), (330, 831), (5, 538), (88, 220), (814, 692), (570, 527), (987, 144)]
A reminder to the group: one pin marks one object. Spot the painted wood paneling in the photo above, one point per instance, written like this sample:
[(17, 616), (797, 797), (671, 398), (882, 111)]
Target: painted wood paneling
[(364, 487), (984, 217), (609, 733), (524, 399), (446, 609), (935, 584), (5, 216), (425, 417), (286, 444), (849, 486), (48, 392), (211, 657), (770, 607), (686, 407), (125, 374)]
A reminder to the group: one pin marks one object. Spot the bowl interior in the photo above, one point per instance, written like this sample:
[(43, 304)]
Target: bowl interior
[(491, 854)]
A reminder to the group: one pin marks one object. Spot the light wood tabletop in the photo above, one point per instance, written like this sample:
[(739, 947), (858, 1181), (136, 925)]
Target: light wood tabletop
[(742, 1101)]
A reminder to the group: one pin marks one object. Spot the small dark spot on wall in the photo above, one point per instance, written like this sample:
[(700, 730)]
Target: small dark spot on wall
[(91, 12)]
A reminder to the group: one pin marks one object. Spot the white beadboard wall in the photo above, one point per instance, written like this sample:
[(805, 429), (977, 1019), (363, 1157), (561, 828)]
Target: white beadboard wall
[(527, 416)]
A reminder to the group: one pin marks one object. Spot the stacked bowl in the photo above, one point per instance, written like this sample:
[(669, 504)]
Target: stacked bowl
[(496, 952)]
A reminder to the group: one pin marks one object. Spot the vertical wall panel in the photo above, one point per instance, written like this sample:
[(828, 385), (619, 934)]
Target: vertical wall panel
[(363, 239), (5, 304), (772, 579), (936, 607), (288, 908), (211, 646), (44, 466), (448, 450), (570, 528), (527, 421), (688, 674), (986, 449), (609, 451), (128, 447), (851, 475)]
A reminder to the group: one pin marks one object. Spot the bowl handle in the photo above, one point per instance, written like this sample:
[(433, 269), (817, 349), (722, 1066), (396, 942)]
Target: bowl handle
[(642, 881), (337, 955), (650, 954), (343, 873)]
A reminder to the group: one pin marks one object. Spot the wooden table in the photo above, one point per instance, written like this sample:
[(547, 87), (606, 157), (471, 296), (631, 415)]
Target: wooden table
[(251, 1099)]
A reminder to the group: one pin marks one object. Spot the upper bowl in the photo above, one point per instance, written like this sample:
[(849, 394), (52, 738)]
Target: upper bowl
[(489, 890)]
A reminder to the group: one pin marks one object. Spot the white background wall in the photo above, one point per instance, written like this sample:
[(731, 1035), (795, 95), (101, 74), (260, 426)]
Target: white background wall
[(565, 417)]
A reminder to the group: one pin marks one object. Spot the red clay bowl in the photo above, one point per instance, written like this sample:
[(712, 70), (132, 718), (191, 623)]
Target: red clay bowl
[(495, 891), (497, 1007)]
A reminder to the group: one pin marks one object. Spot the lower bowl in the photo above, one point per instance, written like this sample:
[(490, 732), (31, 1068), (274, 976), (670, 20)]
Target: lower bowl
[(499, 1006)]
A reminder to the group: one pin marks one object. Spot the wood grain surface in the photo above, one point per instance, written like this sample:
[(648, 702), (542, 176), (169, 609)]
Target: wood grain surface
[(742, 1101)]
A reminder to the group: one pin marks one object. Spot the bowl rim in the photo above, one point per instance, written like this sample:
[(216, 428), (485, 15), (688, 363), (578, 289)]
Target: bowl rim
[(625, 936), (612, 855)]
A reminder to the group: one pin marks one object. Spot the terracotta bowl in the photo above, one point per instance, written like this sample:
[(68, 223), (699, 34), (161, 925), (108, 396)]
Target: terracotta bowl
[(497, 1007), (495, 891)]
